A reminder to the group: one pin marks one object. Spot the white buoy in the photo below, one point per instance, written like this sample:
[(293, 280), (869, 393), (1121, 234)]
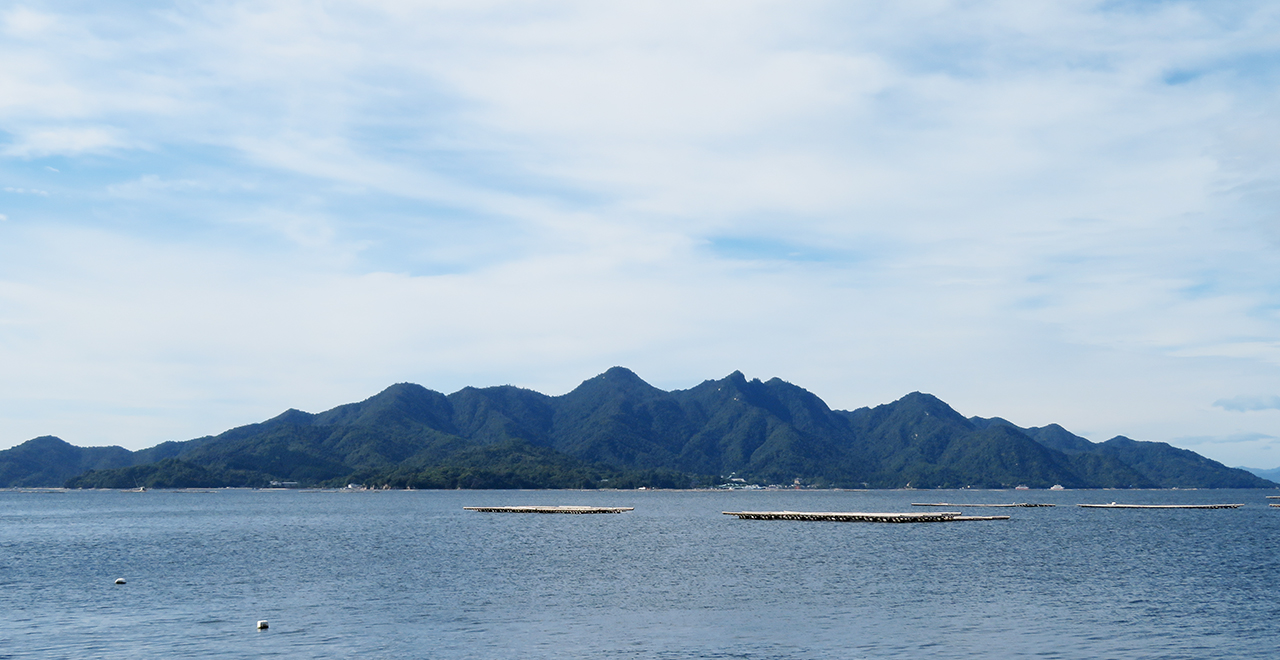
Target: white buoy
[(119, 580), (262, 625)]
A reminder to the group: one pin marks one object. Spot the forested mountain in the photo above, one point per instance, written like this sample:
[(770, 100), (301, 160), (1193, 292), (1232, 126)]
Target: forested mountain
[(49, 461), (615, 430)]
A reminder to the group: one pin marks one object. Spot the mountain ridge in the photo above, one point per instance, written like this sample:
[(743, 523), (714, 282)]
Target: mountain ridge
[(616, 429)]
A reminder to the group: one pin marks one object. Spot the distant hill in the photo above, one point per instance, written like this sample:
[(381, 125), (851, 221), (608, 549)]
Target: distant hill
[(615, 430), (1147, 464), (49, 461), (1273, 474)]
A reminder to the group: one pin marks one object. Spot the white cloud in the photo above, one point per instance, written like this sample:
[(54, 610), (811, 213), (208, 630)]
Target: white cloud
[(149, 185), (1014, 205), (22, 22), (1245, 403), (64, 141)]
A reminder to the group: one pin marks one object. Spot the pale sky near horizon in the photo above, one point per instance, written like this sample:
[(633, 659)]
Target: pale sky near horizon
[(1060, 212)]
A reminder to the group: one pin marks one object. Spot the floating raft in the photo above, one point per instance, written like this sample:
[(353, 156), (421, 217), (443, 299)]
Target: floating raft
[(940, 516), (1113, 505), (1273, 497), (1273, 505), (549, 509), (1015, 504)]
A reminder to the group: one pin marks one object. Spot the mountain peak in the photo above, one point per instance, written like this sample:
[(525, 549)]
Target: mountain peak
[(928, 402), (738, 381), (918, 404), (621, 378), (292, 416), (46, 441), (921, 397), (620, 374), (402, 389), (616, 381), (615, 422)]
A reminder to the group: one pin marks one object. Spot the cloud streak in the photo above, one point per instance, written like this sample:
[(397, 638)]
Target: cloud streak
[(1248, 403), (65, 141)]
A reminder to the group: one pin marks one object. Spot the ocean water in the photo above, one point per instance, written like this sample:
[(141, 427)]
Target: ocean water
[(410, 574)]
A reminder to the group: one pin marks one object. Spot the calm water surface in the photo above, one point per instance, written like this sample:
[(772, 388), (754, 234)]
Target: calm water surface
[(413, 575)]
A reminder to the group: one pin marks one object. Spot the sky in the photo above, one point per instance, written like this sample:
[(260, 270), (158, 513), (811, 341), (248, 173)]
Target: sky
[(211, 212)]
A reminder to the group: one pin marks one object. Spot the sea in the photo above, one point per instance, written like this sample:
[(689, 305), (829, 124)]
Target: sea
[(411, 574)]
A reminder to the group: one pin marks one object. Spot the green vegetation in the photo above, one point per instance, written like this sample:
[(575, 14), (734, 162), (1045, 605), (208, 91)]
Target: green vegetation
[(616, 431), (167, 473), (518, 464), (48, 461)]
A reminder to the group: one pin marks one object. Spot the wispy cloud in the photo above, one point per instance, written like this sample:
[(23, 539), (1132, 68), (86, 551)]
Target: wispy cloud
[(64, 141), (1248, 403), (26, 191), (1073, 201), (149, 185)]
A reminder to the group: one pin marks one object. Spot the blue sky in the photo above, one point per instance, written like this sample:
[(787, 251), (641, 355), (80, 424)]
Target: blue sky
[(1065, 212)]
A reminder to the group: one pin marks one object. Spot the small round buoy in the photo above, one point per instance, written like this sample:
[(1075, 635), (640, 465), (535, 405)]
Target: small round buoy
[(262, 625), (119, 580)]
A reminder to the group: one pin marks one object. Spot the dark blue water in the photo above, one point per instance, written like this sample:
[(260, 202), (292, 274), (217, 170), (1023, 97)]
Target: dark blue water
[(413, 575)]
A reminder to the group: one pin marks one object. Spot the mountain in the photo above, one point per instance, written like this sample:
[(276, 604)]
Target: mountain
[(50, 461), (1146, 464), (1273, 474), (616, 430)]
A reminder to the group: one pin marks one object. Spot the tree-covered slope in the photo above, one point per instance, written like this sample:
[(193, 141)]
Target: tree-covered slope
[(50, 461), (773, 431), (1171, 467), (167, 473), (1124, 463), (614, 430), (618, 419)]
